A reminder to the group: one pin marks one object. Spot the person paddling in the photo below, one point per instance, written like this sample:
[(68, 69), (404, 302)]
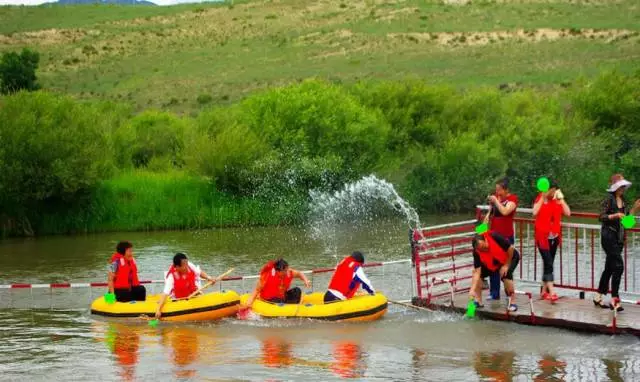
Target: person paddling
[(348, 277), (613, 210), (493, 253), (548, 209), (123, 275), (181, 280), (273, 285), (503, 209)]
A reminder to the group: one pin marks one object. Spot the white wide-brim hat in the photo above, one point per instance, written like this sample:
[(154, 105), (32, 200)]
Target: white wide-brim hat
[(621, 183)]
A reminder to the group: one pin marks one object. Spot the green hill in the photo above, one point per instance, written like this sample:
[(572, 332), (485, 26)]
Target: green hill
[(169, 56)]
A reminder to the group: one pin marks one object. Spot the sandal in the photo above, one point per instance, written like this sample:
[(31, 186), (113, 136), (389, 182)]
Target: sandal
[(615, 304), (599, 303), (513, 308)]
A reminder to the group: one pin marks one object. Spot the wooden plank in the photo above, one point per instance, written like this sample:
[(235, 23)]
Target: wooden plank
[(567, 312)]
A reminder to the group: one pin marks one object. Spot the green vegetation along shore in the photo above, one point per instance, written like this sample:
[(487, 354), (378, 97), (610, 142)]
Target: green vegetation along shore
[(225, 115)]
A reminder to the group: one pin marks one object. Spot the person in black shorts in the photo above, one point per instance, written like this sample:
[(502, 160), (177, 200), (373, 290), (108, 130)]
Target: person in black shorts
[(492, 252)]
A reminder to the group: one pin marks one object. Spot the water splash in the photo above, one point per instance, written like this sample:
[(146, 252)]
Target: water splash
[(355, 204)]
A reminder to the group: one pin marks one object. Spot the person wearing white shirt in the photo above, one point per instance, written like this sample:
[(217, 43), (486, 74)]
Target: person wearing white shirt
[(181, 280)]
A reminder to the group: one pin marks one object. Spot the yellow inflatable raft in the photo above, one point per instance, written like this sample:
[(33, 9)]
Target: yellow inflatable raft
[(209, 306), (359, 308)]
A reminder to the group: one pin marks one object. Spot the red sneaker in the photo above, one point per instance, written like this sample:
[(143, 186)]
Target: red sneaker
[(545, 296), (553, 297)]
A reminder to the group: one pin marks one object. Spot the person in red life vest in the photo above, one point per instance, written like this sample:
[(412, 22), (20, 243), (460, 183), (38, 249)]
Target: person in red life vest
[(348, 277), (548, 209), (273, 285), (503, 206), (491, 253), (123, 275), (181, 280)]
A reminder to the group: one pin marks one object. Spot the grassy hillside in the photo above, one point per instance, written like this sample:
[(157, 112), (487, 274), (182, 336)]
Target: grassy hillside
[(167, 57)]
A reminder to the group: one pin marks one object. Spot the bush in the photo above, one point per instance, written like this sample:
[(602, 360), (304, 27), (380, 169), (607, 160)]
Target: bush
[(153, 140), (53, 152), (18, 71), (204, 99), (315, 119)]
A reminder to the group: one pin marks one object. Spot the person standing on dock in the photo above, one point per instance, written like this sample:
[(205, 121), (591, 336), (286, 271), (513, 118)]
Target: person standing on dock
[(275, 280), (502, 210), (548, 209), (348, 277), (493, 253), (123, 275), (613, 210)]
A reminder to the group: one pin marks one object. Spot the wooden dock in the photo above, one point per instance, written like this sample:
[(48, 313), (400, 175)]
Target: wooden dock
[(567, 313)]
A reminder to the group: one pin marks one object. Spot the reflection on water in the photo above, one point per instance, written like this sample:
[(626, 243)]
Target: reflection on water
[(41, 345), (497, 366), (551, 369), (124, 343)]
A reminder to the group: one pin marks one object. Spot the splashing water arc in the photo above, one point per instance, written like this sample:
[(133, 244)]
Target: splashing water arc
[(355, 203)]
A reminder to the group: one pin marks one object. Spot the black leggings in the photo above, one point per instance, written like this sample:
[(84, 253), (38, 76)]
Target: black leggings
[(136, 293), (614, 265), (330, 297), (548, 256), (292, 296)]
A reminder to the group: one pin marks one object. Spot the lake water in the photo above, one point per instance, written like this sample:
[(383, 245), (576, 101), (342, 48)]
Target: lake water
[(52, 336)]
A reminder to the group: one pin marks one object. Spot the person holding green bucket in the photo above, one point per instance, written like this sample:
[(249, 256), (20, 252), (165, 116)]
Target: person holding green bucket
[(615, 218), (492, 252)]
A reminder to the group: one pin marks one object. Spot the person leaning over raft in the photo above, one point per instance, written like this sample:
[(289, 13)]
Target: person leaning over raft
[(612, 240), (347, 278), (548, 209), (503, 208), (181, 280), (123, 275), (493, 253), (275, 280)]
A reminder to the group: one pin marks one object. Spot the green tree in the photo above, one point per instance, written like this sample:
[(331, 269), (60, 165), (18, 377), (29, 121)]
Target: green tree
[(18, 71), (53, 153)]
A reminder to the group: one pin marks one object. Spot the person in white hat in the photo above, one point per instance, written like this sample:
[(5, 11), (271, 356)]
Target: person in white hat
[(613, 210)]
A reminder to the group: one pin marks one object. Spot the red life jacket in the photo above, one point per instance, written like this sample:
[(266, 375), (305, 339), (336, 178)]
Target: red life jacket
[(183, 283), (273, 285), (343, 276), (504, 224), (127, 274), (548, 221), (494, 257)]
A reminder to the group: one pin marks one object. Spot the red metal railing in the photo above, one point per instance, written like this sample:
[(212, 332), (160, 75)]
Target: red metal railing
[(580, 258), (445, 251)]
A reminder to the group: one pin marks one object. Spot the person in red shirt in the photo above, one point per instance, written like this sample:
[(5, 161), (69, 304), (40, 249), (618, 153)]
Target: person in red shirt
[(548, 209), (502, 210), (273, 285), (493, 253), (123, 275)]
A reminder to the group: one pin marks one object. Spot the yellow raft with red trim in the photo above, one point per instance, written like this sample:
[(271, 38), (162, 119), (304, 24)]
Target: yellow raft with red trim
[(210, 306), (358, 308)]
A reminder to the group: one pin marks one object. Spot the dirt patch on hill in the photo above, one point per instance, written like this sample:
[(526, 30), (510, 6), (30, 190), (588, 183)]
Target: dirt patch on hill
[(47, 37), (533, 35)]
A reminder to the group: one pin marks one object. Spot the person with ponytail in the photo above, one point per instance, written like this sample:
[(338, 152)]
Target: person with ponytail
[(275, 280), (613, 209)]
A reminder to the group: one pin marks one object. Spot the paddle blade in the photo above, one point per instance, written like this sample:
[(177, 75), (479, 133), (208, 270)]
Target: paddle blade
[(153, 323), (243, 313), (471, 309)]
